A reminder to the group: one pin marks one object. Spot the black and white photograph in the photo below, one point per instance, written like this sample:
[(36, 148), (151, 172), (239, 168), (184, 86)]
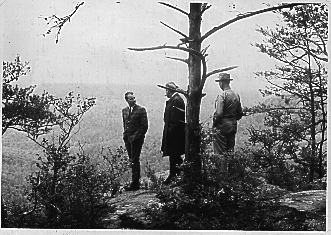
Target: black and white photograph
[(171, 116)]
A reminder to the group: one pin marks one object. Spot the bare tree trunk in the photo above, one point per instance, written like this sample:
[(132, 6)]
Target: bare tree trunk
[(312, 110), (313, 129), (192, 151), (324, 117)]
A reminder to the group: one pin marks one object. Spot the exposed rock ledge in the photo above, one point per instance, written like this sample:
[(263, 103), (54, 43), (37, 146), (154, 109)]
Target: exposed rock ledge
[(132, 204)]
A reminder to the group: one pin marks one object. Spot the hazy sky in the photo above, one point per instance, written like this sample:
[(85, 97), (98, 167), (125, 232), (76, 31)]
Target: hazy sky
[(93, 46)]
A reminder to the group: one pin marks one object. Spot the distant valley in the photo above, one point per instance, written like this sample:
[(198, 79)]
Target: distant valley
[(102, 127)]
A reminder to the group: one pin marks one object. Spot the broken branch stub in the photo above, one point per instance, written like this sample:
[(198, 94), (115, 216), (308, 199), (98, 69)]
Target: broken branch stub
[(173, 7)]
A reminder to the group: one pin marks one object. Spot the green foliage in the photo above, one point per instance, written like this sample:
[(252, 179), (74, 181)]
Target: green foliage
[(12, 71), (117, 164), (282, 152), (235, 202), (69, 189), (81, 198), (304, 30), (155, 183), (21, 109), (217, 203), (300, 81), (211, 202)]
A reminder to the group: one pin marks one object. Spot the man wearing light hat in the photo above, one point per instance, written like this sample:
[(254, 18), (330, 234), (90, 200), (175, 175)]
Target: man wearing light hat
[(173, 139), (227, 111)]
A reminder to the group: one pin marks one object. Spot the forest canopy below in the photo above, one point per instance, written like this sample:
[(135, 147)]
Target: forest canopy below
[(63, 159)]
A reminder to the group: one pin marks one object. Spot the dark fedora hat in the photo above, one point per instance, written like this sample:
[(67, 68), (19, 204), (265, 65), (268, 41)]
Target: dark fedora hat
[(169, 85), (223, 77)]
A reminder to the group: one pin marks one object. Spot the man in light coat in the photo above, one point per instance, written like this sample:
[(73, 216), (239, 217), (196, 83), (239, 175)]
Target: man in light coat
[(227, 111)]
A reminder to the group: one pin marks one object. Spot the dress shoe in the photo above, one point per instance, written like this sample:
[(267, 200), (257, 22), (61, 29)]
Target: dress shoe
[(132, 188)]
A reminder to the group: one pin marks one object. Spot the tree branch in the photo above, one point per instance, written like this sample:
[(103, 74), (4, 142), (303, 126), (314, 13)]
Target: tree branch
[(35, 198), (297, 58), (288, 49), (2, 3), (284, 60), (204, 7), (180, 33), (288, 108), (308, 51), (318, 57), (319, 47), (290, 91), (181, 91), (173, 7), (246, 15), (205, 76), (179, 59), (322, 40), (221, 70), (203, 51), (58, 23), (194, 52)]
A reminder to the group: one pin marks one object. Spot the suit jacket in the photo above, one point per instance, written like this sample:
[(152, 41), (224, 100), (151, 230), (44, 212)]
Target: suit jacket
[(135, 126), (173, 139)]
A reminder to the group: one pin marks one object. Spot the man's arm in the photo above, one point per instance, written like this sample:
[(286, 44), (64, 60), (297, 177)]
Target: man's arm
[(143, 122), (239, 111), (123, 120), (219, 109), (125, 137)]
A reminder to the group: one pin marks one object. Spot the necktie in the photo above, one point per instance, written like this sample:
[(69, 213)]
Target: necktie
[(129, 112)]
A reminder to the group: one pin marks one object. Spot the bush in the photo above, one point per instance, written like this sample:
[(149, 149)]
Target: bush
[(81, 199), (69, 190), (214, 203), (153, 181), (218, 202), (235, 203)]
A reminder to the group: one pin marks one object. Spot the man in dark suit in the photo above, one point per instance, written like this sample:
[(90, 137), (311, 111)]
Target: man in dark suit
[(173, 140), (135, 124)]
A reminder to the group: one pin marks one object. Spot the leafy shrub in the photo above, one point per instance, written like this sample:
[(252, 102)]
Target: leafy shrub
[(210, 205), (81, 198), (216, 202), (213, 201), (154, 182), (70, 189)]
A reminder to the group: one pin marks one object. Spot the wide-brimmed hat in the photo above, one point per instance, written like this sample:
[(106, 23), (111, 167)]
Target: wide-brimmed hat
[(223, 77), (170, 85)]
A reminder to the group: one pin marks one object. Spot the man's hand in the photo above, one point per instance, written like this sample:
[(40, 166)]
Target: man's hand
[(215, 119)]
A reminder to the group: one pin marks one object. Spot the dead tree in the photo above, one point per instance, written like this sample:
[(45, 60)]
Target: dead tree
[(196, 62)]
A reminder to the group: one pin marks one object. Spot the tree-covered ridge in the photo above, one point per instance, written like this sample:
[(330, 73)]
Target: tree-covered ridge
[(76, 168)]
